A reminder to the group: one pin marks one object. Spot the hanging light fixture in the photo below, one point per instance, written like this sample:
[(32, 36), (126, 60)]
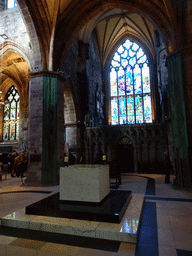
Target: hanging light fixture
[(2, 101)]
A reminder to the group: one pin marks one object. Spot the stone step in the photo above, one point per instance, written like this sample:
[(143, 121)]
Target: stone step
[(126, 231)]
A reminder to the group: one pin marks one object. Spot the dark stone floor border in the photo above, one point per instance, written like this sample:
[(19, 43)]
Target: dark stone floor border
[(183, 252), (168, 199), (27, 191), (148, 236)]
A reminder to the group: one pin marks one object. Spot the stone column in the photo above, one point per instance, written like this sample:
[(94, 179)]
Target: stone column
[(180, 103), (45, 128)]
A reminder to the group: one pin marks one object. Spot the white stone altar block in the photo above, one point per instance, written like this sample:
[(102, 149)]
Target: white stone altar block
[(85, 183)]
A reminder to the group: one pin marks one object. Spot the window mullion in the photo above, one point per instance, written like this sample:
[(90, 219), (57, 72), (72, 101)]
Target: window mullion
[(126, 96), (118, 97), (142, 94), (134, 94)]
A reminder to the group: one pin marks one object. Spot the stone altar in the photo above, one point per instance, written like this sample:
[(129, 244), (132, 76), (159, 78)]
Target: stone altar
[(84, 183)]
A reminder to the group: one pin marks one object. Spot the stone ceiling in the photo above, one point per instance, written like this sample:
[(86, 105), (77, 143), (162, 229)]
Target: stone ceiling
[(114, 25), (67, 19)]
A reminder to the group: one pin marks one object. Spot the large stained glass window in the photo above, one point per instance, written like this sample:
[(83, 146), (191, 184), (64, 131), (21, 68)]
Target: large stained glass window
[(11, 115), (130, 85)]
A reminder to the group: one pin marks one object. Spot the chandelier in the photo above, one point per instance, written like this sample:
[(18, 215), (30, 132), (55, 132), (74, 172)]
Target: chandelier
[(2, 101)]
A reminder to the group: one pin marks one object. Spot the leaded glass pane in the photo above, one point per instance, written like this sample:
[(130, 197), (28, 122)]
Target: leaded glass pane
[(124, 55), (5, 131), (129, 80), (11, 3), (18, 110), (116, 57), (131, 53), (13, 110), (122, 107), (120, 49), (130, 85), (114, 111), (135, 47), (124, 62), (137, 79), (6, 112), (146, 83), (140, 53), (130, 110), (17, 130), (127, 44), (139, 109), (16, 97), (10, 97), (113, 78), (115, 63), (12, 131), (147, 109), (132, 61), (121, 82)]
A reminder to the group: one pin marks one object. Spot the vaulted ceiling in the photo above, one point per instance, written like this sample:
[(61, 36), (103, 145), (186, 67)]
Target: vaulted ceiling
[(114, 25), (14, 71), (56, 23)]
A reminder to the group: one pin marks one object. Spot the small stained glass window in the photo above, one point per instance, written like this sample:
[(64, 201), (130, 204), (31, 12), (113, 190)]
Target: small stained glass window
[(130, 85), (11, 4), (11, 115)]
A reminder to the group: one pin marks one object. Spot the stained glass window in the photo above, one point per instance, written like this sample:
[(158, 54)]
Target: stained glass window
[(11, 3), (11, 115), (130, 85)]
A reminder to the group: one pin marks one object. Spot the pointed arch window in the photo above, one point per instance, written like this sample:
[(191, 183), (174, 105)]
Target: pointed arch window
[(11, 115), (130, 85)]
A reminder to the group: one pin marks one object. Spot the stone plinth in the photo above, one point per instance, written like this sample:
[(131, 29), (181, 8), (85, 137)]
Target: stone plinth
[(84, 183)]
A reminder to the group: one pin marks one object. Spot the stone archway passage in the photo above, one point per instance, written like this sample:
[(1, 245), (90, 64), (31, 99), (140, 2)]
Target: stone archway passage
[(125, 158)]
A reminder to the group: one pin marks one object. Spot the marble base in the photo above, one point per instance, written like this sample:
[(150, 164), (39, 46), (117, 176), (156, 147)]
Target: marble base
[(111, 209), (84, 182), (125, 231)]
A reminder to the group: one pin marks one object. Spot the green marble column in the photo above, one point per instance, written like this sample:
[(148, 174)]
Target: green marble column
[(49, 140), (178, 120)]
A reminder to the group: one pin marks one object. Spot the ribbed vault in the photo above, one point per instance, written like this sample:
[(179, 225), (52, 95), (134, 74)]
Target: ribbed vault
[(63, 20)]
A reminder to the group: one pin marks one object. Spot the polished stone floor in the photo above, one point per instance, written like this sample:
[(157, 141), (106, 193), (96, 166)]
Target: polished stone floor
[(166, 223)]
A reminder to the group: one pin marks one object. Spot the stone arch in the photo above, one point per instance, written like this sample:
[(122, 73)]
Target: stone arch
[(15, 69), (129, 144), (9, 46), (39, 58), (70, 119)]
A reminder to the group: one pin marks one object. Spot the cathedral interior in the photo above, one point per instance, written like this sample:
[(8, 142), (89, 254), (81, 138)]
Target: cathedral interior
[(113, 79), (108, 78)]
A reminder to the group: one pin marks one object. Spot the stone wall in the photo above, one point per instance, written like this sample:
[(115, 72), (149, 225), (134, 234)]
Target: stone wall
[(12, 24), (81, 67), (94, 74)]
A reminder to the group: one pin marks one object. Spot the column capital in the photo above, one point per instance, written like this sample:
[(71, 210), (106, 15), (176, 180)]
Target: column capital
[(182, 50), (48, 73)]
